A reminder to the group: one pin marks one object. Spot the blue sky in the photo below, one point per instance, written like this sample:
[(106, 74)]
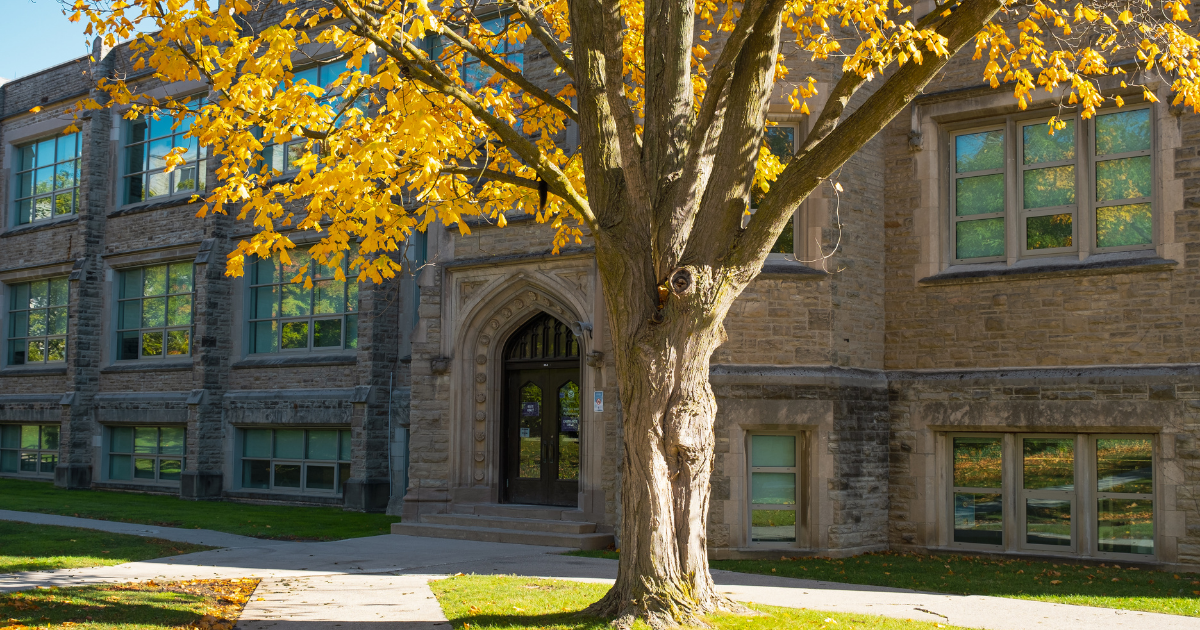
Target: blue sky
[(34, 35)]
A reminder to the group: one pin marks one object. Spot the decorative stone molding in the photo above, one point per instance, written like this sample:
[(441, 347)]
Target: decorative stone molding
[(595, 359), (439, 365)]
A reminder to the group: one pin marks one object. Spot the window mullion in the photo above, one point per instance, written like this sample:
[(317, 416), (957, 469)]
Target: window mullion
[(1085, 179), (1012, 220)]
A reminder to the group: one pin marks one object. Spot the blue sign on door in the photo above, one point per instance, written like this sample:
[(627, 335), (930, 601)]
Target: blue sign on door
[(530, 410)]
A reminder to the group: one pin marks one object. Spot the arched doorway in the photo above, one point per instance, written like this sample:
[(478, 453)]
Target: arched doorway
[(542, 403)]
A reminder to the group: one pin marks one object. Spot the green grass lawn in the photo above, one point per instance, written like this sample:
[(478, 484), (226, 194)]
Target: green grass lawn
[(198, 604), (477, 602), (260, 521), (1108, 585), (29, 547)]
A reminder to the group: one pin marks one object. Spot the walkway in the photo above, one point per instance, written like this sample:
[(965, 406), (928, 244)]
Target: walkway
[(346, 584)]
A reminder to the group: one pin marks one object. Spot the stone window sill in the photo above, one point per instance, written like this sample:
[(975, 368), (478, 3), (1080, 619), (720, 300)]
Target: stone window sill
[(148, 366), (41, 225), (173, 202), (780, 267), (305, 360), (34, 370), (1144, 261)]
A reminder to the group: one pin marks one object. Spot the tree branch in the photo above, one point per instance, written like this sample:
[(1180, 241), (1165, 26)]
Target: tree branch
[(547, 39), (500, 176)]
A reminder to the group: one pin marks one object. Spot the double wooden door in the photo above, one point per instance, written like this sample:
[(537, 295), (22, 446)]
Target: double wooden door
[(541, 433)]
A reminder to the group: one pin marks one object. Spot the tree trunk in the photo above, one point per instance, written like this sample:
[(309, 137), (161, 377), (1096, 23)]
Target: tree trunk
[(668, 410)]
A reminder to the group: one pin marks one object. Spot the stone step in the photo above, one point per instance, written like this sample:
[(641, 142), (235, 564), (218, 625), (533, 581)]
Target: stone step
[(509, 510), (501, 522), (491, 534)]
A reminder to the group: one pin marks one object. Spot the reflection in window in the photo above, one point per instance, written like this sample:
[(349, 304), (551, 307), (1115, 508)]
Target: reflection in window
[(1125, 495), (37, 329), (47, 178), (781, 139), (1124, 176), (281, 156), (493, 38), (1048, 175), (145, 453), (284, 315), (529, 427), (1048, 474), (296, 460), (979, 194), (568, 431), (147, 144), (154, 312), (29, 449), (773, 488), (978, 508)]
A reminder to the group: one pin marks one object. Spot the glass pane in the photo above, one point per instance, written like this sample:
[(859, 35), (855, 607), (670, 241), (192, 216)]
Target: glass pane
[(181, 278), (26, 159), (266, 271), (343, 475), (56, 349), (158, 184), (50, 437), (256, 442), (979, 151), (264, 337), (1049, 231), (67, 146), (1049, 463), (568, 456), (1122, 226), (37, 323), (29, 462), (57, 324), (145, 440), (1043, 144), (295, 335), (170, 469), (256, 474), (29, 436), (179, 310), (978, 518), (177, 342), (131, 284), (49, 461), (1125, 466), (979, 239), (171, 440), (781, 141), (25, 185), (161, 126), (530, 428), (344, 447), (154, 280), (289, 443), (568, 408), (154, 312), (773, 525), (786, 243), (119, 467), (318, 477), (10, 436), (1123, 179), (287, 475), (295, 300), (9, 461), (128, 345), (20, 324), (979, 195), (265, 302), (36, 351), (24, 212), (773, 450), (45, 152), (39, 294), (64, 203), (1126, 525), (330, 297), (143, 469), (152, 344), (327, 333), (977, 462), (298, 265), (42, 208), (1050, 187), (322, 445), (352, 331), (120, 440), (64, 175), (1048, 522), (773, 488), (135, 188), (1122, 132), (352, 296)]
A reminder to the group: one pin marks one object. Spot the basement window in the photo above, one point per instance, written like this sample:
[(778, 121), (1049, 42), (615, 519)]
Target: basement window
[(774, 491), (29, 449), (295, 460)]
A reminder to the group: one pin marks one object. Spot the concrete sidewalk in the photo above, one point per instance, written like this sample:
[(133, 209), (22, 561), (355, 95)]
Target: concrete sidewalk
[(194, 536), (346, 584)]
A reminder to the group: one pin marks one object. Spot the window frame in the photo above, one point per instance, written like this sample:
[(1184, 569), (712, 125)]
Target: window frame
[(798, 137), (15, 199), (339, 465), (40, 452), (1015, 228), (125, 175), (1023, 495), (132, 454), (166, 328), (470, 60), (1096, 495), (1022, 168), (10, 322), (251, 305), (798, 507), (953, 489)]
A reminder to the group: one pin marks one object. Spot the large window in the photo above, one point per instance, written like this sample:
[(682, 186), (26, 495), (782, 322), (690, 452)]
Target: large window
[(47, 178), (1019, 188), (1087, 495), (146, 454), (494, 38), (281, 157), (782, 140), (29, 449), (287, 316), (296, 460), (148, 141), (37, 330), (154, 312), (774, 496)]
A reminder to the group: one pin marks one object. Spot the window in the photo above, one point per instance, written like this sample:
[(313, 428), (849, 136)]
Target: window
[(286, 316), (146, 454), (47, 178), (782, 140), (773, 488), (1020, 190), (493, 37), (37, 332), (29, 449), (296, 460), (154, 312), (147, 143), (281, 157), (1087, 495)]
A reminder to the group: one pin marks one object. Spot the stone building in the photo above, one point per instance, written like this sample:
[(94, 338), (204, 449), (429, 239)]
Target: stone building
[(1001, 356)]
